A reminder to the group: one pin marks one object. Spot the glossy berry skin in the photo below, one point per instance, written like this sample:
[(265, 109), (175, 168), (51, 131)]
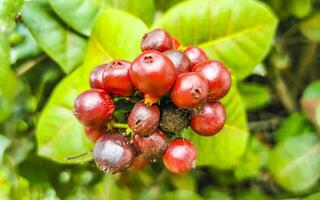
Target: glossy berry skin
[(181, 62), (152, 146), (113, 153), (116, 79), (158, 40), (175, 43), (93, 133), (139, 163), (144, 119), (218, 77), (93, 108), (153, 74), (209, 120), (95, 77), (196, 55), (180, 156), (189, 91)]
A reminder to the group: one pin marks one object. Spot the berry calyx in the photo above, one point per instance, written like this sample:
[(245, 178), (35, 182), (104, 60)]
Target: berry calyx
[(157, 39), (153, 74), (173, 119), (152, 146), (180, 156), (144, 119), (93, 133), (116, 79), (93, 108), (218, 77), (181, 62), (209, 120), (189, 91), (196, 55), (95, 78), (113, 153)]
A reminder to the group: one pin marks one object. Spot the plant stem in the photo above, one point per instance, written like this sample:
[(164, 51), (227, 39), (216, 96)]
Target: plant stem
[(25, 67), (119, 125)]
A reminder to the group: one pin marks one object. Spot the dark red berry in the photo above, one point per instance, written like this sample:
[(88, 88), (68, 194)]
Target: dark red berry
[(113, 153), (157, 39), (153, 74), (96, 77), (116, 79), (175, 43), (180, 156), (209, 120), (93, 133), (218, 77), (190, 90), (196, 55), (144, 119), (139, 163), (181, 62), (94, 107), (152, 146)]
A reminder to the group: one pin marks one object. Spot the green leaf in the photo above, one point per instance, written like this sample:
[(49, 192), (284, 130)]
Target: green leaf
[(300, 8), (59, 134), (230, 141), (237, 32), (4, 143), (310, 102), (12, 87), (8, 11), (62, 44), (260, 93), (315, 196), (295, 162), (89, 10), (180, 194), (310, 27)]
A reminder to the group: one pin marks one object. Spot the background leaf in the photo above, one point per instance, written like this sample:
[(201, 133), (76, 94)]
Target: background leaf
[(62, 44), (310, 102), (8, 11), (311, 27), (4, 143), (237, 32), (59, 134)]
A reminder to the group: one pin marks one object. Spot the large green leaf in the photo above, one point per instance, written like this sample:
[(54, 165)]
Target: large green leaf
[(238, 32), (311, 27), (62, 44), (8, 11), (295, 162), (88, 10), (59, 134), (226, 148)]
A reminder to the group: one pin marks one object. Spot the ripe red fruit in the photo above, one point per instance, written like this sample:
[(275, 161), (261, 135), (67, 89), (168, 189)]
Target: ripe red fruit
[(189, 91), (152, 146), (175, 43), (218, 77), (139, 163), (93, 133), (181, 62), (196, 55), (96, 77), (144, 119), (180, 156), (113, 153), (153, 74), (158, 40), (94, 107), (209, 120), (116, 79)]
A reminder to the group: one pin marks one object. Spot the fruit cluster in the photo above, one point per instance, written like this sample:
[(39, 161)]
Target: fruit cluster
[(189, 85)]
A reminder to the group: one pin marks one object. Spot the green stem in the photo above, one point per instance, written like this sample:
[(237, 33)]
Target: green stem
[(119, 125)]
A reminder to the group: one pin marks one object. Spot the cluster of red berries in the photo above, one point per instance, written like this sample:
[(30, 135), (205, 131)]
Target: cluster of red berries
[(187, 81)]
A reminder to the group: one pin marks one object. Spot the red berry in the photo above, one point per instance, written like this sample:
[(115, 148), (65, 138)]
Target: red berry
[(93, 133), (116, 79), (181, 62), (96, 77), (218, 77), (139, 163), (175, 43), (180, 156), (196, 55), (209, 120), (157, 39), (153, 74), (144, 119), (189, 91), (152, 146), (94, 107), (113, 153)]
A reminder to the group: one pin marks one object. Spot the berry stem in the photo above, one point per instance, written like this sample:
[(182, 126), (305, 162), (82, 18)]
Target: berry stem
[(119, 125)]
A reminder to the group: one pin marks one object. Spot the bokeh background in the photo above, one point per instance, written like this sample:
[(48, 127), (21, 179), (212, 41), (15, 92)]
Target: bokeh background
[(269, 148)]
